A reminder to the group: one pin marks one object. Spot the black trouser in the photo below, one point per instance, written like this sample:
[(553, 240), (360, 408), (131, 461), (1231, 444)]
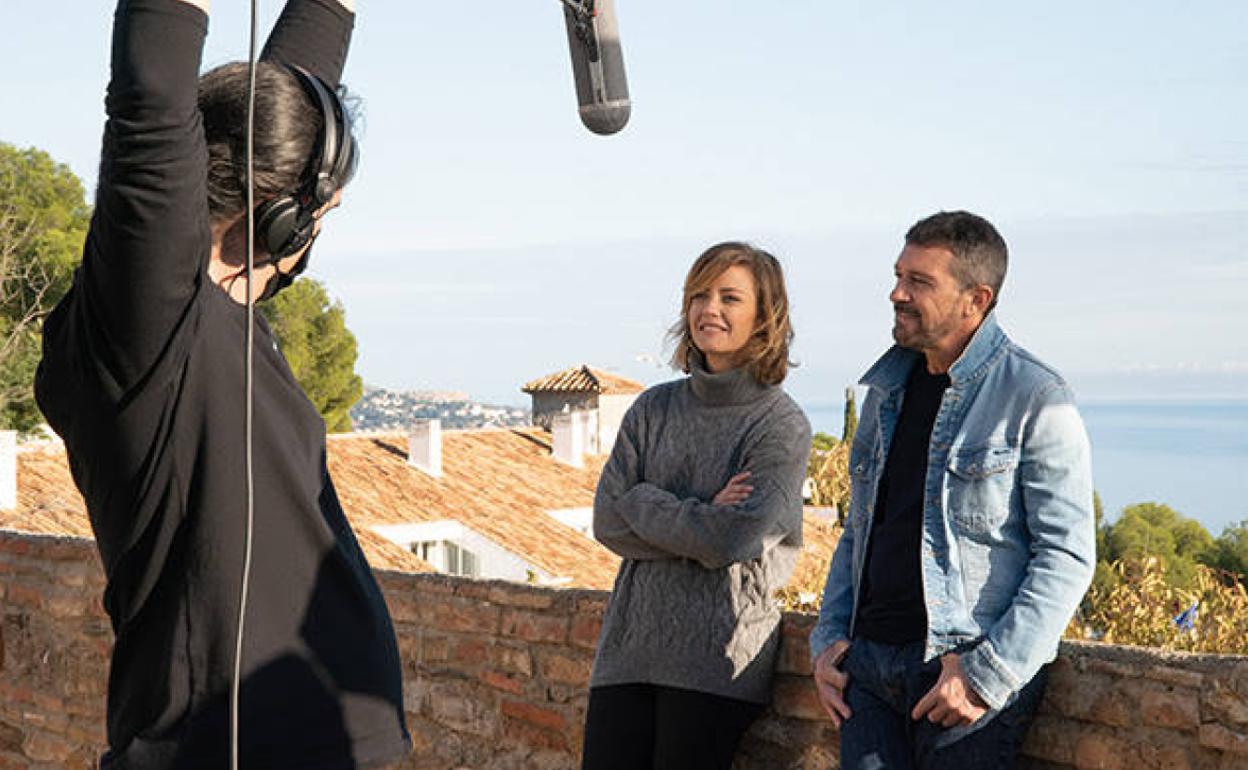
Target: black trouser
[(648, 727)]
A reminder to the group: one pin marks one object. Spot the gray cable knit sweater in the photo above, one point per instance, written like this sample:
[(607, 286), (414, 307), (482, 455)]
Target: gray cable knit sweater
[(693, 602)]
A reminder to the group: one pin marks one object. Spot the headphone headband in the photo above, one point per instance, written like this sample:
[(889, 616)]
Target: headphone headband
[(285, 224)]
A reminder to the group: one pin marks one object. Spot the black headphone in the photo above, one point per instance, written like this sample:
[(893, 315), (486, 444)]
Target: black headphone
[(285, 224)]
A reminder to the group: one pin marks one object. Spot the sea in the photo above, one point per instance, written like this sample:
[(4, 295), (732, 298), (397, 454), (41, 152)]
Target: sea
[(1190, 455)]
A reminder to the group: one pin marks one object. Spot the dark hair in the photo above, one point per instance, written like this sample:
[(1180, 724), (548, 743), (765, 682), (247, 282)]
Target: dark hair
[(979, 252), (287, 125), (767, 352)]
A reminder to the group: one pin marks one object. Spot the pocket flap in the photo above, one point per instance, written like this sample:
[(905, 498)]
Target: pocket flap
[(982, 462)]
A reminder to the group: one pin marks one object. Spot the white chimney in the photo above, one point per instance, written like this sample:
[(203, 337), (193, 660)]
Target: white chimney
[(424, 447), (8, 470), (568, 437)]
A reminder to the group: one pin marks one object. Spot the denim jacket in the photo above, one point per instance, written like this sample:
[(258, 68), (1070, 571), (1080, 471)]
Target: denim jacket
[(1008, 530)]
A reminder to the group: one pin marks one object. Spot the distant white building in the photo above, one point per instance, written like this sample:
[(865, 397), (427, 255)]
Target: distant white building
[(600, 397)]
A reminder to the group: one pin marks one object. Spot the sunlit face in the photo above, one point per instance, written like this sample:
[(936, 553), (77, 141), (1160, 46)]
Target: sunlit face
[(722, 317), (931, 309)]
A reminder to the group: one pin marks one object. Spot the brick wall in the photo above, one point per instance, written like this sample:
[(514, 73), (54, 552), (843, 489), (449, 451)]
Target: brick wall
[(494, 677)]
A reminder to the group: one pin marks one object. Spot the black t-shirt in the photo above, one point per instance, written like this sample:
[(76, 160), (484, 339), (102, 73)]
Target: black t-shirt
[(891, 609), (142, 376)]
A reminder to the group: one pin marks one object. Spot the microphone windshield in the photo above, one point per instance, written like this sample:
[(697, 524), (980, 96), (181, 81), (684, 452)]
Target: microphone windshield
[(597, 64)]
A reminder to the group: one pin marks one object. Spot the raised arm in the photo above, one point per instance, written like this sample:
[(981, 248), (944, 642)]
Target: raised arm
[(315, 35), (149, 235), (719, 535)]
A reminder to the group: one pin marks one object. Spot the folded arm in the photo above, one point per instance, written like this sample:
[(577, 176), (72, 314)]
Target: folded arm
[(719, 535), (622, 471)]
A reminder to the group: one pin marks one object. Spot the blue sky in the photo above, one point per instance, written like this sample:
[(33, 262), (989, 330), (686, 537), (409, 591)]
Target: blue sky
[(489, 238)]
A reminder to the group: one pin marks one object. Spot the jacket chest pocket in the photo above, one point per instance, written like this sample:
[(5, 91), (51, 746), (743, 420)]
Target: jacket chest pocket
[(980, 483)]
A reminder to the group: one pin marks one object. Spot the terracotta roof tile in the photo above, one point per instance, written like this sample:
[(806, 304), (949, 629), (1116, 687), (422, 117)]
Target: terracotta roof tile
[(499, 483), (584, 379)]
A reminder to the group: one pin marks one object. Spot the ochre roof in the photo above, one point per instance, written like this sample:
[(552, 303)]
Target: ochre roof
[(499, 483), (584, 379), (49, 503)]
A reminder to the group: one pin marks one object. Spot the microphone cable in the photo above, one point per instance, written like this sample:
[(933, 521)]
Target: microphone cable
[(248, 386)]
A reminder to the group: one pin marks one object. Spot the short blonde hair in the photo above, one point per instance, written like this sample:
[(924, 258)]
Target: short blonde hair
[(767, 352)]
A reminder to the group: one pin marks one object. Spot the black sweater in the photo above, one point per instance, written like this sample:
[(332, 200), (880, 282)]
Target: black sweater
[(142, 375)]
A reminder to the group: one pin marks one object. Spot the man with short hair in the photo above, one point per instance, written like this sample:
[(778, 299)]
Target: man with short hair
[(970, 538)]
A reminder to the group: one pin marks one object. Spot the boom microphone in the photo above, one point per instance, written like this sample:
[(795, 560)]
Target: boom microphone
[(597, 64)]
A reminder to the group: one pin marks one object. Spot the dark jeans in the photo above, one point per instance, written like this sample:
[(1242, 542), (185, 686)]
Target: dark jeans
[(886, 681), (642, 726)]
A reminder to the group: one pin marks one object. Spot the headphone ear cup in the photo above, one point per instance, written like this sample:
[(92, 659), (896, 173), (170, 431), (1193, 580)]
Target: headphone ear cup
[(277, 226)]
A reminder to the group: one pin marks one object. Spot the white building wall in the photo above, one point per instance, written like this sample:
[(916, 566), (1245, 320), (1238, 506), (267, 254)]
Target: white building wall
[(611, 411), (495, 562)]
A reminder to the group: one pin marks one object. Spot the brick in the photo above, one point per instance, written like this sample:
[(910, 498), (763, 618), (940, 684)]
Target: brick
[(534, 627), (794, 657), (460, 708), (62, 604), (500, 681), (1179, 709), (594, 603), (46, 747), (525, 734), (534, 715), (511, 658), (1091, 698), (516, 596), (77, 575), (432, 585), (468, 650), (478, 590), (404, 608), (1165, 758), (19, 595), (1097, 751), (564, 669), (1049, 739), (10, 737), (462, 615), (1111, 669), (584, 631), (67, 549), (1175, 676), (14, 544), (1217, 737), (795, 696), (1223, 704)]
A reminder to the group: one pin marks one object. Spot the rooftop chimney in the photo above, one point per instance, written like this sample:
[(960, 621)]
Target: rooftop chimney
[(568, 438), (424, 447), (8, 470)]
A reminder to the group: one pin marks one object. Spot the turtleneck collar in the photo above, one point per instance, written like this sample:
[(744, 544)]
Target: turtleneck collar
[(730, 388)]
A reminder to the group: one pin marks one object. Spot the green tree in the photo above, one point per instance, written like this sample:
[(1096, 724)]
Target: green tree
[(43, 221), (1154, 529), (1230, 550), (824, 442), (312, 333), (1105, 577), (851, 417)]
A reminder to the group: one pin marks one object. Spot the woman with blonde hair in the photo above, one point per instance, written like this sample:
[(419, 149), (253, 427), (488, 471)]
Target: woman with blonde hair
[(702, 499)]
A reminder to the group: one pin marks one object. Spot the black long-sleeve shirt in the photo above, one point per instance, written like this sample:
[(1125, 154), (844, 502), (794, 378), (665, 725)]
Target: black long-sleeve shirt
[(142, 376)]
